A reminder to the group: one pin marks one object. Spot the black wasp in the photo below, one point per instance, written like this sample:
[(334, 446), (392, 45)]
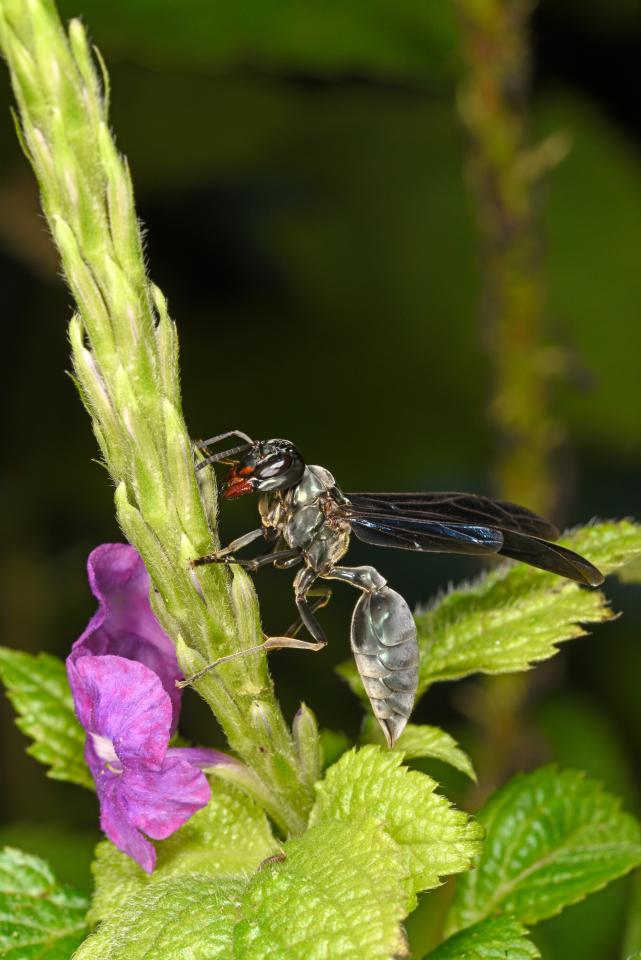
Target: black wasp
[(306, 518)]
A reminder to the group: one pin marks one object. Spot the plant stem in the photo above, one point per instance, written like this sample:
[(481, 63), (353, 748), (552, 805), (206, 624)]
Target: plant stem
[(505, 174), (125, 356)]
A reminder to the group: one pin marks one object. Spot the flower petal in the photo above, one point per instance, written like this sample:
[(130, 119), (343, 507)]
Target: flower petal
[(160, 801), (124, 624), (203, 757), (116, 823), (124, 701), (100, 771)]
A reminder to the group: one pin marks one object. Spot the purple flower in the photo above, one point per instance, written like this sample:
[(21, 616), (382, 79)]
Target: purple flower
[(143, 785), (122, 672), (124, 623)]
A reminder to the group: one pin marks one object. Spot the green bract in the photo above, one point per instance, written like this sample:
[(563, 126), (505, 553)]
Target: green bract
[(552, 837), (40, 919), (39, 691)]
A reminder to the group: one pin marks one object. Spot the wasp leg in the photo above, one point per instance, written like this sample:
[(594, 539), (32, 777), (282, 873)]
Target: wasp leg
[(251, 565), (237, 544), (302, 583), (324, 594), (302, 587), (287, 564), (385, 648), (226, 555), (270, 643)]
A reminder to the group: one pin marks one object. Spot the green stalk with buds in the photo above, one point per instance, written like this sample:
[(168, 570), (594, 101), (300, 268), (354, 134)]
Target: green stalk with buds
[(125, 358)]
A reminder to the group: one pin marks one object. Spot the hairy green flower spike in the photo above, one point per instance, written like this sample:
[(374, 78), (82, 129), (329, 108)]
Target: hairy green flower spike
[(125, 356)]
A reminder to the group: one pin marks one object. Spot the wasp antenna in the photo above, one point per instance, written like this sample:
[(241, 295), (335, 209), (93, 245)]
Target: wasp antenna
[(222, 436), (217, 457)]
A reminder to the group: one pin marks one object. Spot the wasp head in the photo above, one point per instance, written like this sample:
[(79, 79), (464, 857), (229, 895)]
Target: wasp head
[(267, 465)]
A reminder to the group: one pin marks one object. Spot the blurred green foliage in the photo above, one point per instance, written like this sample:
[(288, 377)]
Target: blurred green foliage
[(299, 168), (381, 38)]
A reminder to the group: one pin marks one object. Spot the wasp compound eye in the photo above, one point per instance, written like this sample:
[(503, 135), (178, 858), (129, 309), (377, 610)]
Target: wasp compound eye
[(273, 466)]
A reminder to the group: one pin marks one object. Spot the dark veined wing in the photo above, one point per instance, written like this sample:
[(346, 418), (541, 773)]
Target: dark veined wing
[(426, 536), (466, 524), (550, 556), (457, 508)]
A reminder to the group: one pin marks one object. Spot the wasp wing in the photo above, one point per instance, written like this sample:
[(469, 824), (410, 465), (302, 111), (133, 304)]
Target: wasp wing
[(457, 508), (463, 523), (426, 536)]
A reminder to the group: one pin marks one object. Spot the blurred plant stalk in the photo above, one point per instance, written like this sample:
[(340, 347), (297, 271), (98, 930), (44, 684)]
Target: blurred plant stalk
[(125, 357), (506, 175)]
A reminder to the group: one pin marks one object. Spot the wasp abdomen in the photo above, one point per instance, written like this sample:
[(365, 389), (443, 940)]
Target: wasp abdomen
[(386, 652)]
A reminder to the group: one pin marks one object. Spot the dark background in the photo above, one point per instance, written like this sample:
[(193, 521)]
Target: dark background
[(299, 170)]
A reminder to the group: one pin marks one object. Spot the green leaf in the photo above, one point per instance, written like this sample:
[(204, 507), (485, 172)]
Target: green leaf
[(419, 740), (67, 847), (610, 545), (514, 616), (40, 919), (39, 691), (371, 782), (552, 838), (498, 938), (174, 918), (631, 573), (341, 892), (228, 837)]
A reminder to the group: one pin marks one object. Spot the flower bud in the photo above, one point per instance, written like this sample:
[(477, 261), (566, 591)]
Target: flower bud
[(308, 747), (259, 718)]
